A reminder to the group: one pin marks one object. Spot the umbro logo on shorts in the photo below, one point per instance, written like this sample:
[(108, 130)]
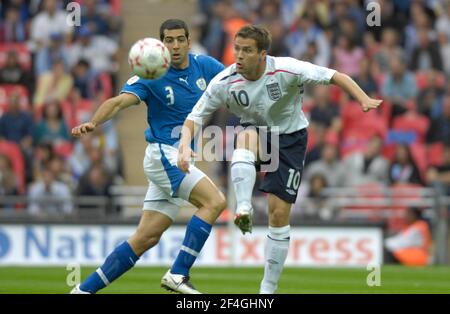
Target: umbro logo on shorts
[(291, 191)]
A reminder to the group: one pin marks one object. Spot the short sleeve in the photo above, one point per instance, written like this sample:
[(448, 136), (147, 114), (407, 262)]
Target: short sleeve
[(310, 73), (315, 74), (211, 66), (136, 86)]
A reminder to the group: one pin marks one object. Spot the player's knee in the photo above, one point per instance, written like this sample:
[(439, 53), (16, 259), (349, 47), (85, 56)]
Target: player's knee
[(217, 203), (221, 203)]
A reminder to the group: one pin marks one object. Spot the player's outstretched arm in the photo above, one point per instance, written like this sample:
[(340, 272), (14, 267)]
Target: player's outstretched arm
[(106, 111), (349, 85), (184, 149)]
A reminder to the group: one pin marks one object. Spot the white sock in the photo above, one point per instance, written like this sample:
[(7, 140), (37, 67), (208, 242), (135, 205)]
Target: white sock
[(277, 247), (243, 175)]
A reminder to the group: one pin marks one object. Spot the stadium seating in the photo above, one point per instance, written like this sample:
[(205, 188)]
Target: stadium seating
[(12, 150), (435, 154), (22, 51), (422, 80), (5, 92), (412, 121)]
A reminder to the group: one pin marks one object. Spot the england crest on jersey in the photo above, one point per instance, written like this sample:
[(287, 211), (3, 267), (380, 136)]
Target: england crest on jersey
[(274, 91)]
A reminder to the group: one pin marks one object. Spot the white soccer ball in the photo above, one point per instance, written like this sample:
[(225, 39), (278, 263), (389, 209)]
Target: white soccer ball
[(149, 58)]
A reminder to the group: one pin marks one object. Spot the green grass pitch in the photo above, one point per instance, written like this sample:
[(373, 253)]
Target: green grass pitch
[(238, 280)]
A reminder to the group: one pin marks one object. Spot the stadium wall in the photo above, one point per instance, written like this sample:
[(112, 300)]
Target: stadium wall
[(88, 245)]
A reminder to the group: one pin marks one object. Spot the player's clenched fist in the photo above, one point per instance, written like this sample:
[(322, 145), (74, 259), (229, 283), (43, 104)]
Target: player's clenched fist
[(371, 103), (83, 129)]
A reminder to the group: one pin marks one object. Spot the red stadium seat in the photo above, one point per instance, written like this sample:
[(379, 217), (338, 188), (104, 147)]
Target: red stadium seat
[(435, 154), (350, 114), (370, 123), (12, 150), (72, 114), (312, 139), (412, 121), (75, 114), (419, 154), (359, 127), (379, 79), (115, 7), (63, 148), (331, 137), (68, 113), (386, 111), (335, 94), (106, 83), (422, 80), (5, 92), (389, 152), (21, 49), (356, 141)]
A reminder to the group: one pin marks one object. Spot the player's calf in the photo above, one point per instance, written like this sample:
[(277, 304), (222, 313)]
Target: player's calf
[(151, 227)]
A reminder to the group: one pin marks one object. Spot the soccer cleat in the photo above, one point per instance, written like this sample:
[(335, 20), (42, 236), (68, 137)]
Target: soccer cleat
[(178, 283), (77, 290), (268, 288), (243, 218)]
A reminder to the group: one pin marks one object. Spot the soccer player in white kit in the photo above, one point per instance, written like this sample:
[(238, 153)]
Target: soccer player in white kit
[(265, 91)]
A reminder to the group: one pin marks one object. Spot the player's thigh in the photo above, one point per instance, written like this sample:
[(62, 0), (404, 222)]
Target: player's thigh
[(279, 211), (255, 139), (206, 194), (248, 139)]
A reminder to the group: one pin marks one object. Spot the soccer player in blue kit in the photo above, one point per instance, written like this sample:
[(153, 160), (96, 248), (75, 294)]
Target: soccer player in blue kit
[(169, 100)]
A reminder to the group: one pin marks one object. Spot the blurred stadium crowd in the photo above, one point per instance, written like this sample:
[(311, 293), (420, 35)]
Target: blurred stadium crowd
[(53, 77), (405, 61)]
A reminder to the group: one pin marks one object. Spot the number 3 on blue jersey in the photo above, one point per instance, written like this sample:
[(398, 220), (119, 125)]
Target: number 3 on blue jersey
[(170, 95)]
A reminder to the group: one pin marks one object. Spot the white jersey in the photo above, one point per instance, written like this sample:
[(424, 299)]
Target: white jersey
[(274, 100)]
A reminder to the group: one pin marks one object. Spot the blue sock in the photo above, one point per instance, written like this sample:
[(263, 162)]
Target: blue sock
[(117, 263), (197, 232)]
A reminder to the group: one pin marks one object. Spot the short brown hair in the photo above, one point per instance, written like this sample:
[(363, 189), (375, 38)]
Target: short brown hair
[(259, 33), (173, 24)]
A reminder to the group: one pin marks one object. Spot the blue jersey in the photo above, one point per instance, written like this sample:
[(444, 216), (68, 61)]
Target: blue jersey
[(171, 98)]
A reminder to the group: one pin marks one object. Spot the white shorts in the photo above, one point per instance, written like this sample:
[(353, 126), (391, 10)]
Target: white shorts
[(169, 187)]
